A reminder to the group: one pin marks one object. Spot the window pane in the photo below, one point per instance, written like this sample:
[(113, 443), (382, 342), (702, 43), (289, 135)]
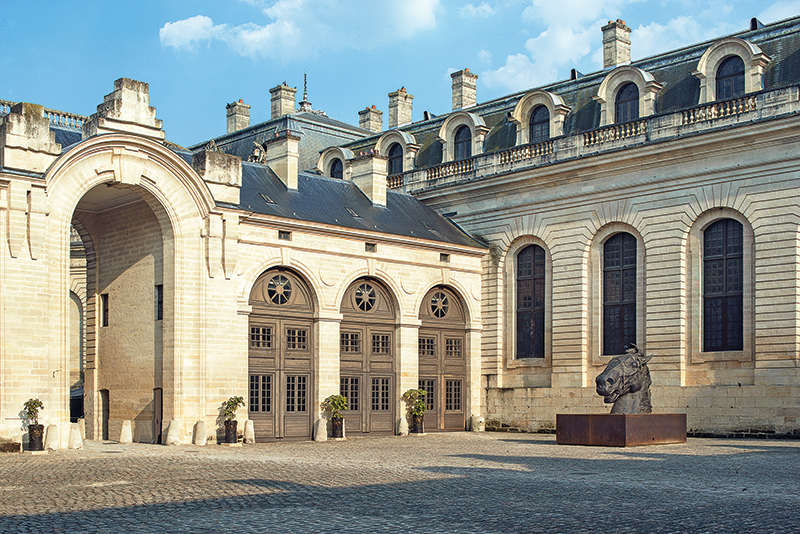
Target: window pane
[(723, 286)]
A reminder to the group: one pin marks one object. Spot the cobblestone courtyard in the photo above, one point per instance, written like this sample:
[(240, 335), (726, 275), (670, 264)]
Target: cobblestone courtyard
[(460, 482)]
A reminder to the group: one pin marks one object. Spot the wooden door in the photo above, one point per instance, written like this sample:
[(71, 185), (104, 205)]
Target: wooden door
[(367, 355), (280, 357)]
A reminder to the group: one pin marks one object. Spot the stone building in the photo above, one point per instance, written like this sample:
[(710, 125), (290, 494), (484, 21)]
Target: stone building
[(497, 255)]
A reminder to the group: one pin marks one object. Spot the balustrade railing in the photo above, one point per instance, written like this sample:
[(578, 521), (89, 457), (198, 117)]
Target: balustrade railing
[(59, 118), (395, 181), (451, 168), (524, 152), (719, 110), (613, 133)]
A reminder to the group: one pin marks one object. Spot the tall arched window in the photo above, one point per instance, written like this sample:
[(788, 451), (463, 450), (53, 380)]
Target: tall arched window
[(395, 159), (730, 78), (539, 126), (530, 302), (337, 169), (619, 293), (627, 103), (463, 143), (723, 284)]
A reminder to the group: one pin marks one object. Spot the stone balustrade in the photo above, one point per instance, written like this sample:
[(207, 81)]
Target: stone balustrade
[(614, 133), (764, 105), (719, 109), (59, 118)]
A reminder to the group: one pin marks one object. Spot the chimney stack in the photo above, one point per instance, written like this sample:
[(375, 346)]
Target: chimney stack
[(371, 119), (369, 174), (282, 100), (283, 152), (465, 89), (399, 108), (616, 44), (238, 116)]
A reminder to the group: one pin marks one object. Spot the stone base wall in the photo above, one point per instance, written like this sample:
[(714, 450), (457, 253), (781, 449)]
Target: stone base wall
[(731, 411)]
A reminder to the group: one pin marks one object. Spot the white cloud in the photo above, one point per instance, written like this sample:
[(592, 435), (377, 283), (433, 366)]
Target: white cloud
[(779, 11), (481, 11), (485, 57), (294, 29), (189, 32), (517, 74)]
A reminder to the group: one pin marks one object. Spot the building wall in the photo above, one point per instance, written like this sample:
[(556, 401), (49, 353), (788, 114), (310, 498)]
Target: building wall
[(665, 194)]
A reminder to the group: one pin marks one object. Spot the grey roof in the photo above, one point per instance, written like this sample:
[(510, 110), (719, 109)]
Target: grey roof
[(681, 90), (65, 136), (341, 203)]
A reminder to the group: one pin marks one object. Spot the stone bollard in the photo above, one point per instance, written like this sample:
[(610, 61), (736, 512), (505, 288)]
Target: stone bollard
[(249, 432), (199, 433), (321, 429), (173, 434), (82, 426), (63, 432), (477, 423), (126, 432), (75, 439), (402, 427), (51, 439)]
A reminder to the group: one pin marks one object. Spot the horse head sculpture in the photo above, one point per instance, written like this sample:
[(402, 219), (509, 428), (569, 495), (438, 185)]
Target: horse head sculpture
[(626, 382)]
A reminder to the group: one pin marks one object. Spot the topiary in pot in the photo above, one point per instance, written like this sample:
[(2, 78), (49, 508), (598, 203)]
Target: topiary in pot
[(35, 430), (229, 408), (416, 408), (335, 404)]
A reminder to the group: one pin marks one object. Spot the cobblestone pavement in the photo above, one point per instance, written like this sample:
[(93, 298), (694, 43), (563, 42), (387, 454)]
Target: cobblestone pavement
[(460, 482)]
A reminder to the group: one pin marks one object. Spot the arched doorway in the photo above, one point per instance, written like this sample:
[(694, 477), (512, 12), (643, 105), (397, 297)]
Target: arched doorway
[(442, 359), (367, 352), (123, 240), (281, 370)]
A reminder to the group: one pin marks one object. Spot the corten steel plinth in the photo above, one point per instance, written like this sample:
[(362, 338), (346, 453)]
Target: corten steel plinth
[(621, 430)]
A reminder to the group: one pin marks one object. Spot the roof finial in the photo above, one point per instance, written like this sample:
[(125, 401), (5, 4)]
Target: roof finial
[(305, 86)]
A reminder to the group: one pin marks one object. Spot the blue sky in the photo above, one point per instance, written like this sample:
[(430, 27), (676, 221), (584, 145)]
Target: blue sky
[(200, 55)]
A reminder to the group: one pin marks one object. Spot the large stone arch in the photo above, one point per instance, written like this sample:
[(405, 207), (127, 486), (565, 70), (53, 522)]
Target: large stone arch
[(182, 206)]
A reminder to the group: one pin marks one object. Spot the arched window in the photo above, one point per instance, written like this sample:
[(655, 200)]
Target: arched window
[(395, 159), (619, 293), (463, 143), (337, 169), (723, 284), (530, 302), (627, 103), (730, 78), (539, 126)]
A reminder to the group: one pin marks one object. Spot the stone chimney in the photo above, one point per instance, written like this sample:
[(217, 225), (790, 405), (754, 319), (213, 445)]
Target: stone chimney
[(283, 152), (371, 119), (282, 100), (26, 141), (238, 116), (127, 109), (221, 172), (616, 44), (369, 174), (465, 89), (399, 108)]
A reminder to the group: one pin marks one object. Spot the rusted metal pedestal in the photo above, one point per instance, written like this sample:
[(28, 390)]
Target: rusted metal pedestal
[(621, 430)]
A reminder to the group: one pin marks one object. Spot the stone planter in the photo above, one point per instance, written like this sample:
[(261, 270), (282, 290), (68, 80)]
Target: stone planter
[(337, 427), (417, 424), (36, 437), (230, 431)]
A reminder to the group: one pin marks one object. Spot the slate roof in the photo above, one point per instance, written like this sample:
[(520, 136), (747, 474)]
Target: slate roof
[(681, 90), (329, 201), (65, 136)]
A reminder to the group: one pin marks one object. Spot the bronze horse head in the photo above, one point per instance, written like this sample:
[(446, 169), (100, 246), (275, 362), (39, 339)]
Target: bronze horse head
[(626, 382)]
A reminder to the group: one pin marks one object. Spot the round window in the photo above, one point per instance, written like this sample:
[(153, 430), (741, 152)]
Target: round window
[(365, 297), (439, 304), (279, 289)]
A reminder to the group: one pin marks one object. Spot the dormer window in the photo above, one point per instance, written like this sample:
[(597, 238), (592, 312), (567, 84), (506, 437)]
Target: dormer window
[(463, 143), (626, 106), (395, 162), (337, 169), (539, 125), (730, 78)]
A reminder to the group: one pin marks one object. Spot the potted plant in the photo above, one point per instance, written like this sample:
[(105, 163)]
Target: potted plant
[(35, 430), (229, 408), (335, 404), (416, 407)]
